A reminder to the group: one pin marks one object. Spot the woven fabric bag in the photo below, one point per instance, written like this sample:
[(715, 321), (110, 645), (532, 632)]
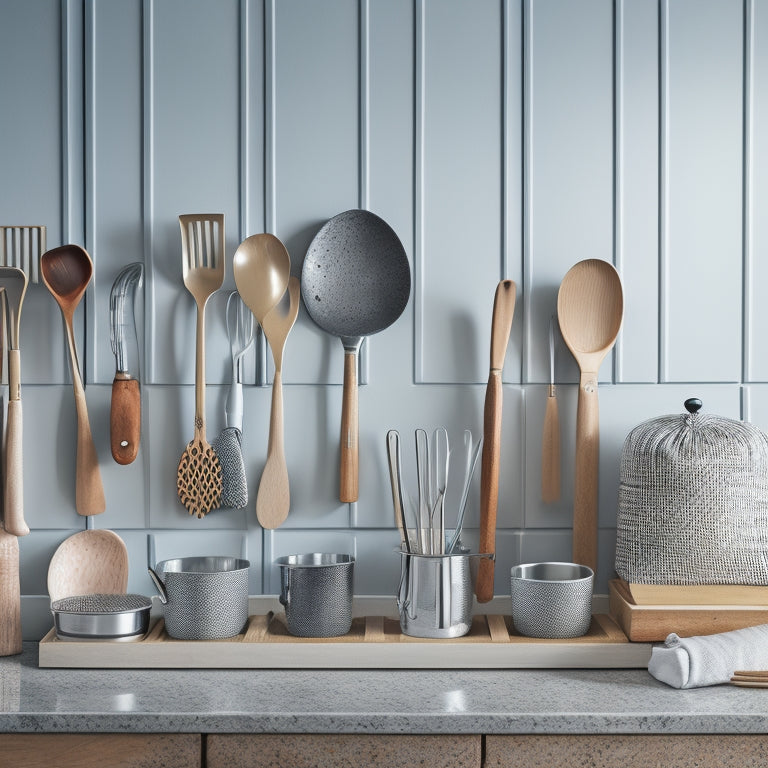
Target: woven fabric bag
[(693, 501)]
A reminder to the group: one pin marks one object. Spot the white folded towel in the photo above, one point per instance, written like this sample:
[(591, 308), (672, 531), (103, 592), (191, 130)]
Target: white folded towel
[(692, 662)]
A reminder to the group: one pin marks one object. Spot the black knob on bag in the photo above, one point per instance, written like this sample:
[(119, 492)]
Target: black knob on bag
[(692, 404)]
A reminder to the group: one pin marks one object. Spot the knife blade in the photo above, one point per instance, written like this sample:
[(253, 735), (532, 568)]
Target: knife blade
[(125, 408)]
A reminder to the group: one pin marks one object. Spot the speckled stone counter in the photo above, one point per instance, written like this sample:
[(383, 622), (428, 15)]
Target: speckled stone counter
[(336, 701)]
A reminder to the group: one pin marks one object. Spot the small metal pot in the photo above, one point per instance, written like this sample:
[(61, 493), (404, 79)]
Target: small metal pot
[(205, 598), (118, 617)]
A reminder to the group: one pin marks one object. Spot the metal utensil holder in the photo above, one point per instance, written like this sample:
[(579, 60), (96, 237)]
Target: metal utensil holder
[(435, 595)]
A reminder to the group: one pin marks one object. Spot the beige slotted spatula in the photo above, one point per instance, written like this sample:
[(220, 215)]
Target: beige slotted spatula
[(199, 477)]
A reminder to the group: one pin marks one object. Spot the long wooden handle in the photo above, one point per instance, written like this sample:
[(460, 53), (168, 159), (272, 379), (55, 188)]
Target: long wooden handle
[(13, 498), (273, 499), (348, 470), (586, 469), (489, 484), (550, 451), (125, 420), (200, 373), (10, 595), (89, 491)]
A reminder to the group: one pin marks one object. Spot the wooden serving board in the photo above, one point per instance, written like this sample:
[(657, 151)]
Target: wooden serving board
[(374, 642), (652, 623)]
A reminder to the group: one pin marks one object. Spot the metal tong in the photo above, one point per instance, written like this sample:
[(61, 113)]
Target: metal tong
[(427, 536)]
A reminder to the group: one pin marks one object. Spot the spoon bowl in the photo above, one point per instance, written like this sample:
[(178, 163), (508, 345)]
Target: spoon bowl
[(590, 306), (261, 266)]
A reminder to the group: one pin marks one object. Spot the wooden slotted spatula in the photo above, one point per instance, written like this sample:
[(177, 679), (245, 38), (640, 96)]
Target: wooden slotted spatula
[(199, 477), (503, 311)]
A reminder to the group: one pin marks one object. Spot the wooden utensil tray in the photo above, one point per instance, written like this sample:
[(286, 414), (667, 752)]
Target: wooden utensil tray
[(652, 623), (374, 642)]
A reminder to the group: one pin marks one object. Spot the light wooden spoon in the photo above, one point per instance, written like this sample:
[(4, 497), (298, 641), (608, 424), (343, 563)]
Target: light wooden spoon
[(590, 305), (66, 272), (262, 268), (273, 500), (89, 562)]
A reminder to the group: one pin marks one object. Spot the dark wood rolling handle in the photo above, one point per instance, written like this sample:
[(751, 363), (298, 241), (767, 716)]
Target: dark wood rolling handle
[(489, 484), (125, 420)]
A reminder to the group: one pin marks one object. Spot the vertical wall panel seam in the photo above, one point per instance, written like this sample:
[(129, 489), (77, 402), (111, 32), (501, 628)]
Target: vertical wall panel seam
[(90, 353), (618, 167), (72, 146), (364, 146), (364, 192), (270, 156), (748, 195), (527, 181), (418, 197), (664, 314), (244, 124), (148, 148)]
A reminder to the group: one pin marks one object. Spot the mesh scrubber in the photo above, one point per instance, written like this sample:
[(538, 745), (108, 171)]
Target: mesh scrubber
[(693, 501), (234, 490)]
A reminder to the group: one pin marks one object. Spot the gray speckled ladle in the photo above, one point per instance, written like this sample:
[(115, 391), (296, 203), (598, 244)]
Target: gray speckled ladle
[(355, 281)]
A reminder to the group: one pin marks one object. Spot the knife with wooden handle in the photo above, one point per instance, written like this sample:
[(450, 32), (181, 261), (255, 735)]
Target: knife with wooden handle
[(125, 409), (503, 311)]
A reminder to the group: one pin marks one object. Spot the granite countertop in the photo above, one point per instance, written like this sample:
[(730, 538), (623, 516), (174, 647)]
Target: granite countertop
[(342, 701)]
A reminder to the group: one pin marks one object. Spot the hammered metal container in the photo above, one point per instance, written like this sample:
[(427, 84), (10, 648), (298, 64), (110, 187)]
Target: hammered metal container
[(552, 600), (316, 590), (205, 598)]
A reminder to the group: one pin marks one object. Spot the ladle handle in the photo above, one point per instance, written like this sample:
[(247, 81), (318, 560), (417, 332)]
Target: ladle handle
[(586, 470), (489, 484), (89, 491), (273, 499), (348, 470), (10, 595), (550, 450), (14, 481), (13, 497)]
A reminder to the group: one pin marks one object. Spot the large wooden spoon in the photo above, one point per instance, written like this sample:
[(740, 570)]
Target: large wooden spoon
[(273, 500), (66, 272), (590, 306), (89, 562), (262, 268)]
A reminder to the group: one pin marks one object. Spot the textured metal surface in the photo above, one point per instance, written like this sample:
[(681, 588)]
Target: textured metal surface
[(356, 279), (234, 484), (435, 595), (693, 502), (101, 616), (316, 590), (207, 596), (552, 600)]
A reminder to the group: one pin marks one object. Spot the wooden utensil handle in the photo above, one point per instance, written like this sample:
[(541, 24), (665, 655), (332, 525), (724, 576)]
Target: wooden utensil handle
[(14, 480), (89, 491), (348, 470), (586, 469), (550, 451), (489, 484), (273, 499), (125, 419), (10, 595)]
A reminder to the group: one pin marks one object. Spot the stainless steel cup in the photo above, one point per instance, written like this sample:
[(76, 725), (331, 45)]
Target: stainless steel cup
[(435, 594), (316, 590), (205, 598), (552, 600)]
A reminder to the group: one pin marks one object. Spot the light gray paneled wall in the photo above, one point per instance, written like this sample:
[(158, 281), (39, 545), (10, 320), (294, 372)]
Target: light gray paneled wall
[(500, 139)]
